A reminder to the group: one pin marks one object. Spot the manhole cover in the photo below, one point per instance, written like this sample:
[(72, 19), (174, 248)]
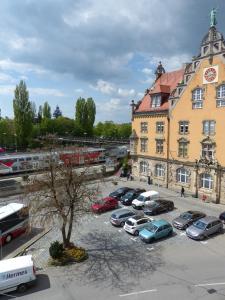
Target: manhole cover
[(211, 291)]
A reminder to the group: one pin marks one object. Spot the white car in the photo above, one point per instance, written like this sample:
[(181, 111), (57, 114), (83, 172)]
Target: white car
[(144, 199), (134, 224)]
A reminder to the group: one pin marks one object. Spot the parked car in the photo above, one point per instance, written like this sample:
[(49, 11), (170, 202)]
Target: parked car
[(222, 217), (155, 230), (119, 217), (158, 206), (187, 218), (204, 227), (130, 196), (134, 224), (105, 204), (120, 192), (144, 199)]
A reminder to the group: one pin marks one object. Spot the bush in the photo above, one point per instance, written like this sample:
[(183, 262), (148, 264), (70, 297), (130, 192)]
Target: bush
[(76, 254), (56, 250)]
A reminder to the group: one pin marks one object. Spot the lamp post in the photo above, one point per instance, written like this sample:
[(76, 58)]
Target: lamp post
[(196, 177)]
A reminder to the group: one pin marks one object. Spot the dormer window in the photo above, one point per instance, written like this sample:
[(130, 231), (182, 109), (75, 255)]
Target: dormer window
[(197, 98), (156, 101), (220, 93)]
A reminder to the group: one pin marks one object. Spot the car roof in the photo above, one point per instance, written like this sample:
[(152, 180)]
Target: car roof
[(209, 219), (108, 198), (137, 218), (122, 211), (160, 222), (149, 193), (193, 212)]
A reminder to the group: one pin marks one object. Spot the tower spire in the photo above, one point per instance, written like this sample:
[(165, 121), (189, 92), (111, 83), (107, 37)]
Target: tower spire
[(213, 20)]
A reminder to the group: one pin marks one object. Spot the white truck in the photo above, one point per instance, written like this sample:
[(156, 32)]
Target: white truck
[(16, 274)]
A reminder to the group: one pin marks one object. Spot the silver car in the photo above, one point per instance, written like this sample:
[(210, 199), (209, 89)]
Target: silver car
[(119, 217), (134, 224), (204, 227)]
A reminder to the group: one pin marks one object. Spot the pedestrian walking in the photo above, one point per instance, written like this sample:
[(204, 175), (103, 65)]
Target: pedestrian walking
[(182, 192), (128, 176), (149, 180)]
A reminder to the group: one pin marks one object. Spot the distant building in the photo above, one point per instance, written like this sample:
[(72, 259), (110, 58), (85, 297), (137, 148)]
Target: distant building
[(57, 113), (177, 128)]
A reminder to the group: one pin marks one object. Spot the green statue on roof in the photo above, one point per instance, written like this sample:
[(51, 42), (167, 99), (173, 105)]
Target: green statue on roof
[(213, 20)]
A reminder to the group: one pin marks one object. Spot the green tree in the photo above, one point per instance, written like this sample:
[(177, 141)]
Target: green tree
[(81, 114), (91, 112), (7, 133), (33, 111), (22, 114), (46, 113)]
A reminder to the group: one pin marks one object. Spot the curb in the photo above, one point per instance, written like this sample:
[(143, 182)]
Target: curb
[(24, 247)]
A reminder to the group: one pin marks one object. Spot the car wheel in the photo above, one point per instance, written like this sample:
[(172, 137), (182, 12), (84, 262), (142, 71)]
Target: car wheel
[(22, 288), (170, 233), (8, 238), (202, 237), (122, 224), (221, 230), (136, 233), (170, 208)]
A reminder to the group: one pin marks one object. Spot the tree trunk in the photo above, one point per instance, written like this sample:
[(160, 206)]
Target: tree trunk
[(63, 230), (70, 226)]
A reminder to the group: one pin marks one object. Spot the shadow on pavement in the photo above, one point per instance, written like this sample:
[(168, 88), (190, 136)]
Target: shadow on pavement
[(19, 241), (41, 284)]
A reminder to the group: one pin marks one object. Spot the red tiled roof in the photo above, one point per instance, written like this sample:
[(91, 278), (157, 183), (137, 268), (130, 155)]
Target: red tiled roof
[(166, 83)]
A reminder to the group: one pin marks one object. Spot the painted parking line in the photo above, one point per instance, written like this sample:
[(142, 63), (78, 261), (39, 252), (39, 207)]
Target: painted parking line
[(133, 239), (107, 222), (150, 249), (120, 230), (182, 233), (204, 242), (96, 216), (209, 284), (137, 293)]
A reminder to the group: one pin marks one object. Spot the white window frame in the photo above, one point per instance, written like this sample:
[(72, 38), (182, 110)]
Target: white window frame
[(209, 127), (159, 146), (156, 100), (208, 150), (144, 145), (220, 93), (143, 167), (159, 127), (159, 170), (206, 181), (182, 175), (183, 127), (197, 98), (144, 127)]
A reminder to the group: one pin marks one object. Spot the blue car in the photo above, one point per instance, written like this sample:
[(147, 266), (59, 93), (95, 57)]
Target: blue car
[(157, 229)]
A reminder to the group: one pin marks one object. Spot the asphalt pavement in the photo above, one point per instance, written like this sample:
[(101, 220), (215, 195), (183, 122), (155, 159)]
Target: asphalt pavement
[(121, 266)]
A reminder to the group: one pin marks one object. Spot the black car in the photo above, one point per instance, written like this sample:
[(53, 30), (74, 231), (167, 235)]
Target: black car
[(158, 206), (222, 217), (120, 192), (187, 218), (130, 196)]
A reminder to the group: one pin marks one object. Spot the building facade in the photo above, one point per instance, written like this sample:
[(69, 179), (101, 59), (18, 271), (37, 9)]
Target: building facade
[(177, 128)]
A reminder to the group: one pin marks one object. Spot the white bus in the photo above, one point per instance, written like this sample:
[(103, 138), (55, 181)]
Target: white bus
[(14, 220), (16, 274)]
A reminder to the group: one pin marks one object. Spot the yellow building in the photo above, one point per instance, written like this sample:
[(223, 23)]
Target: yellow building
[(177, 128)]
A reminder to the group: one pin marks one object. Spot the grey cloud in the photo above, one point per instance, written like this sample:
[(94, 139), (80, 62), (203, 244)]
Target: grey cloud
[(91, 40)]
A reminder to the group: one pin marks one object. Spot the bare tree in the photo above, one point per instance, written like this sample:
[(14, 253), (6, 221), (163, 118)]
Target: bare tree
[(62, 195)]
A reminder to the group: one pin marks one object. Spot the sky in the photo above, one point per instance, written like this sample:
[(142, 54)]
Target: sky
[(107, 50)]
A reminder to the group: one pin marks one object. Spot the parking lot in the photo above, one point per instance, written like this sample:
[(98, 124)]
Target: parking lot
[(122, 266)]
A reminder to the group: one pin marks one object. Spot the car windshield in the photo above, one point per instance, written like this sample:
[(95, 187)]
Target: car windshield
[(128, 195), (141, 198), (99, 202), (151, 227), (119, 191), (199, 224), (186, 216), (130, 223)]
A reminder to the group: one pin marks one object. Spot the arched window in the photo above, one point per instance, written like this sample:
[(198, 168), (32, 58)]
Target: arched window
[(182, 175), (197, 97), (206, 181), (159, 170), (220, 93), (143, 167)]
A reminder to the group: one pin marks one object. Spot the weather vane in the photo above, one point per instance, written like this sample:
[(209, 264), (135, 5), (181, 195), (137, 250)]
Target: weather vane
[(213, 20)]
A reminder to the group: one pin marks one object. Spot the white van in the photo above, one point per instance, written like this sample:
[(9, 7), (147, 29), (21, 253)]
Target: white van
[(144, 199), (16, 274)]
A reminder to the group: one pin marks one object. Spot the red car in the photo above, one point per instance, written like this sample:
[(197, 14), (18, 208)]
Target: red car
[(104, 204)]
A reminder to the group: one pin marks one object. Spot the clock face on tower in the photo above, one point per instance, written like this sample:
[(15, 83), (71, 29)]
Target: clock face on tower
[(210, 74)]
